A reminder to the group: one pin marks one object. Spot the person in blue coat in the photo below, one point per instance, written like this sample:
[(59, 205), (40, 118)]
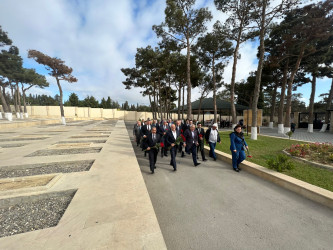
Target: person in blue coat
[(237, 147)]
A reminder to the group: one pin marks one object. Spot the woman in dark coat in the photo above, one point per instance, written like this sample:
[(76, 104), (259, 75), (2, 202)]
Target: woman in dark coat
[(237, 147)]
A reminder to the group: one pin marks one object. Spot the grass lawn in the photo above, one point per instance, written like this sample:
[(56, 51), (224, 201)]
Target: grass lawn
[(266, 148)]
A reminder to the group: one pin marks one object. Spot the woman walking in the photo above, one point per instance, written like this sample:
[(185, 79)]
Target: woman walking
[(237, 147)]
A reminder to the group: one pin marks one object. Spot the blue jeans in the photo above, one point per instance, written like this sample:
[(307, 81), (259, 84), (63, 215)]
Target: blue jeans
[(212, 150), (237, 157)]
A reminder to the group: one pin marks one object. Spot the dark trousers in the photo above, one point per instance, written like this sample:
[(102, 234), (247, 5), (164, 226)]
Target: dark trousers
[(201, 147), (173, 153), (137, 138), (193, 150), (212, 150), (164, 151), (237, 158), (180, 148), (152, 158)]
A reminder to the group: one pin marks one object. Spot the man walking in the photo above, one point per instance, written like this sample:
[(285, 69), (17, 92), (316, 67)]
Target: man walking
[(137, 132), (171, 138), (164, 128), (150, 142), (201, 146), (191, 143), (212, 137)]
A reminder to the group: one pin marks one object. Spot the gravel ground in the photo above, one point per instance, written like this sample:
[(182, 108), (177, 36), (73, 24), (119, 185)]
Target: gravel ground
[(71, 151), (24, 139), (99, 130), (12, 145), (41, 212), (83, 141), (47, 168), (89, 136)]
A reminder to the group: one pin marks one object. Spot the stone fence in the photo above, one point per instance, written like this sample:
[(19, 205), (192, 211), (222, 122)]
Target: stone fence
[(100, 113)]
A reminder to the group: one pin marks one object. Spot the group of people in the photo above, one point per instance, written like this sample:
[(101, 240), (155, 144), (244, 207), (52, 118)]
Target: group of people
[(177, 137)]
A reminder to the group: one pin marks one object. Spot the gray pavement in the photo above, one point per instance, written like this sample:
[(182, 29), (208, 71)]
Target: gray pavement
[(213, 207), (301, 134)]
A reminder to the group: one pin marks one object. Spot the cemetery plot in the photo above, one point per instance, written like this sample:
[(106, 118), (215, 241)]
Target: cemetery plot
[(90, 136), (23, 139), (45, 168), (26, 182), (11, 145), (30, 213), (83, 141), (48, 152)]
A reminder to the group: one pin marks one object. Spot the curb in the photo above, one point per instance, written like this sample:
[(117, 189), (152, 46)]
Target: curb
[(309, 191)]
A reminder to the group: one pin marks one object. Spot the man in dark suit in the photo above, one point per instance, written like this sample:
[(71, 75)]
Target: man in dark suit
[(180, 130), (201, 146), (137, 132), (163, 129), (171, 137), (191, 143), (150, 142), (155, 124), (145, 130)]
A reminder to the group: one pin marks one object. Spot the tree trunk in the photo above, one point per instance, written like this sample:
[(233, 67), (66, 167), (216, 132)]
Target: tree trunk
[(3, 101), (328, 107), (14, 96), (63, 120), (159, 93), (214, 91), (189, 85), (259, 73), (155, 106), (24, 100), (19, 100), (271, 118), (183, 102), (7, 101), (283, 94), (179, 99), (200, 103), (311, 104), (290, 86), (233, 77)]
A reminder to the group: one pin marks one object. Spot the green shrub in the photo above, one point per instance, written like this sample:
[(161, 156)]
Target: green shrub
[(280, 163)]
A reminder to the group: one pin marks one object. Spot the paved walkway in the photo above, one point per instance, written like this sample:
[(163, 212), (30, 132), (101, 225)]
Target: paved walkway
[(212, 207), (110, 210), (301, 134)]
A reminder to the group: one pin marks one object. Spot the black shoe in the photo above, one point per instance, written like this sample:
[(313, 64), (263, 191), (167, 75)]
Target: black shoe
[(152, 171), (197, 158), (175, 169), (204, 160), (214, 159), (236, 169), (154, 167), (183, 155), (166, 155), (197, 164)]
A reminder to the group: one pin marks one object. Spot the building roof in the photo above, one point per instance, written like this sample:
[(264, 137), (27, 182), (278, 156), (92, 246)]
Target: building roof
[(208, 104)]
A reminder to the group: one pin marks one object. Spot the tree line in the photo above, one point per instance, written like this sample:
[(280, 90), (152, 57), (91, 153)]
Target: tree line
[(292, 52)]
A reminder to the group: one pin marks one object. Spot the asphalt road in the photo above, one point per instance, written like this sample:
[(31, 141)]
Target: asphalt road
[(213, 207)]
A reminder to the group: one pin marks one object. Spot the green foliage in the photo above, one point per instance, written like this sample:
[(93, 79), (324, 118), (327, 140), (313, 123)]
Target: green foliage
[(73, 100), (289, 134), (280, 163)]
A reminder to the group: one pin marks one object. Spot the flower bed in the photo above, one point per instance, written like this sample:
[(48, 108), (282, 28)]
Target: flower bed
[(317, 152)]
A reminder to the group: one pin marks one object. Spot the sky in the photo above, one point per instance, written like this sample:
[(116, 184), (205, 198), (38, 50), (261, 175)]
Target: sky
[(99, 37)]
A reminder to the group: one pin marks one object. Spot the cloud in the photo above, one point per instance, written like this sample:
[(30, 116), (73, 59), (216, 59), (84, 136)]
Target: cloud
[(97, 38)]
